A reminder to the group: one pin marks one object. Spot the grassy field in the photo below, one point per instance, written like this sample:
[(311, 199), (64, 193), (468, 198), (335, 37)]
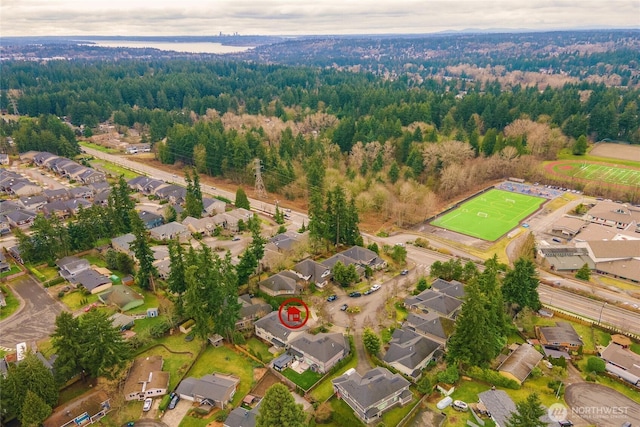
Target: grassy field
[(305, 380), (599, 172), (226, 360), (74, 300), (12, 303), (113, 169), (325, 389), (260, 349), (97, 147), (490, 215)]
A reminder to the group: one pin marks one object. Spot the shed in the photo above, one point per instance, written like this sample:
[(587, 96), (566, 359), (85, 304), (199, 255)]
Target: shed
[(152, 312), (216, 340)]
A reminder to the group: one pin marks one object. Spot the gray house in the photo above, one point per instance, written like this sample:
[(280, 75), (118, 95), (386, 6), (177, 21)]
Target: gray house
[(270, 329), (241, 417), (431, 325), (71, 266), (373, 393), (123, 243), (213, 390), (283, 283), (430, 300), (321, 352), (499, 405), (313, 272), (170, 231), (409, 352)]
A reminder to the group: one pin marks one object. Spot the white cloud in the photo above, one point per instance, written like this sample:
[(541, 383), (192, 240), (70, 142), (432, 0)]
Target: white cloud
[(193, 17)]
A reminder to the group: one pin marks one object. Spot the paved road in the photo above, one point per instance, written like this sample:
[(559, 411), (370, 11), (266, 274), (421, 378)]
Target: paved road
[(35, 320), (422, 259)]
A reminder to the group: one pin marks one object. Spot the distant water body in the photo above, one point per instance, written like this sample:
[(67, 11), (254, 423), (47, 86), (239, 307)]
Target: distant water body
[(197, 47)]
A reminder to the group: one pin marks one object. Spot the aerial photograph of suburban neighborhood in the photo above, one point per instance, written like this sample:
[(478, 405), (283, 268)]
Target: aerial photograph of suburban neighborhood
[(295, 213)]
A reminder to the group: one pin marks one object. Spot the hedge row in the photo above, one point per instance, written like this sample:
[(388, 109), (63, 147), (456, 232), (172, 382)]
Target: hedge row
[(41, 277), (492, 377)]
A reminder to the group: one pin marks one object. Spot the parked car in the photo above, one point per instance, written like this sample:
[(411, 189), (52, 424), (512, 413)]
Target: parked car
[(368, 291), (332, 298), (344, 307), (375, 287), (355, 294), (235, 239), (174, 401), (404, 272), (148, 403)]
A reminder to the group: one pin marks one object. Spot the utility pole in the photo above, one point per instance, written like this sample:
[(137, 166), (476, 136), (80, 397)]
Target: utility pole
[(260, 190)]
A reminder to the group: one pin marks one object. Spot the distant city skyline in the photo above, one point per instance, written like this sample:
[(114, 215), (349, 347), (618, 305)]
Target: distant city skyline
[(305, 17)]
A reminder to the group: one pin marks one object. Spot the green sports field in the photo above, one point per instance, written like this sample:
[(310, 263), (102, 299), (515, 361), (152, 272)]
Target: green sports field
[(490, 215)]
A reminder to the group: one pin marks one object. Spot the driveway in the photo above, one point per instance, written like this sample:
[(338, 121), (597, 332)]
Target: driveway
[(600, 405), (35, 320), (172, 417)]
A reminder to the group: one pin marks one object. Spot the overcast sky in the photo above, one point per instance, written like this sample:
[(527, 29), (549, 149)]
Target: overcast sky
[(294, 17)]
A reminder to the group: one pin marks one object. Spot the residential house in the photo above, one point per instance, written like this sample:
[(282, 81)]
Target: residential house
[(43, 158), (122, 321), (82, 192), (21, 218), (98, 187), (365, 257), (59, 194), (146, 379), (33, 203), (73, 206), (4, 265), (321, 351), (150, 219), (622, 362), (5, 227), (57, 208), (241, 417), (214, 390), (91, 176), (345, 260), (71, 266), (430, 300), (271, 329), (372, 394), (410, 352), (173, 193), (559, 337), (519, 364), (101, 198), (24, 187), (204, 226), (499, 405), (163, 266), (311, 271), (285, 242), (249, 312), (170, 231), (14, 251), (92, 281), (213, 206), (7, 206), (283, 283), (432, 325), (122, 297), (123, 243), (453, 288)]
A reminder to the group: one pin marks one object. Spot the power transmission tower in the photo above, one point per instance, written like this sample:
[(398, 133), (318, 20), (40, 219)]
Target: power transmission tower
[(14, 105), (261, 192)]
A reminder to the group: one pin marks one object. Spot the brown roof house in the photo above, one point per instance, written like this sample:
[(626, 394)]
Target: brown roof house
[(146, 379), (622, 362), (519, 364), (372, 394), (214, 390), (560, 337)]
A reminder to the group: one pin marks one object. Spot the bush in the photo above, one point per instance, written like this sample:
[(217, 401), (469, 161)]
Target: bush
[(222, 415), (421, 243), (166, 399), (449, 375), (60, 294), (53, 282), (37, 274), (595, 364), (323, 413), (558, 361), (159, 329), (238, 338), (492, 377)]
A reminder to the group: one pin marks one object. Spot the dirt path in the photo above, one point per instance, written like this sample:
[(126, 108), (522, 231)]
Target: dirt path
[(363, 363)]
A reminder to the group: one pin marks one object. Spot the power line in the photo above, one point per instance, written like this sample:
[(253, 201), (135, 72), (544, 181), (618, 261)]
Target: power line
[(260, 191)]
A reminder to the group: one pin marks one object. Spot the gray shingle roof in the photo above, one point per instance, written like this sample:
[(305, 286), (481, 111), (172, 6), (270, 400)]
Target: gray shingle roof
[(453, 289), (499, 405), (323, 346), (436, 301), (563, 332), (271, 323), (410, 349), (521, 362), (372, 387)]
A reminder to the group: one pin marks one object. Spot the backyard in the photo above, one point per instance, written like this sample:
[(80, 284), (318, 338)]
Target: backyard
[(324, 390), (305, 380), (259, 349), (11, 301)]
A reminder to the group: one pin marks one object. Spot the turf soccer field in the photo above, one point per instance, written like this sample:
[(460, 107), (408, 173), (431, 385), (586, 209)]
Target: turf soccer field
[(490, 215)]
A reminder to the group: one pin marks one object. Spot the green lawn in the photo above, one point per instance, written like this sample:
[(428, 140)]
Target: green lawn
[(343, 415), (97, 147), (48, 272), (635, 347), (394, 416), (12, 303), (324, 390), (174, 363), (95, 259), (189, 421), (75, 300), (114, 169), (490, 215), (259, 348), (304, 380), (226, 360), (151, 300), (13, 270)]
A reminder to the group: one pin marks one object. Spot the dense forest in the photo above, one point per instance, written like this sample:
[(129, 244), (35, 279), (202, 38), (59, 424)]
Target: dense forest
[(400, 147)]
